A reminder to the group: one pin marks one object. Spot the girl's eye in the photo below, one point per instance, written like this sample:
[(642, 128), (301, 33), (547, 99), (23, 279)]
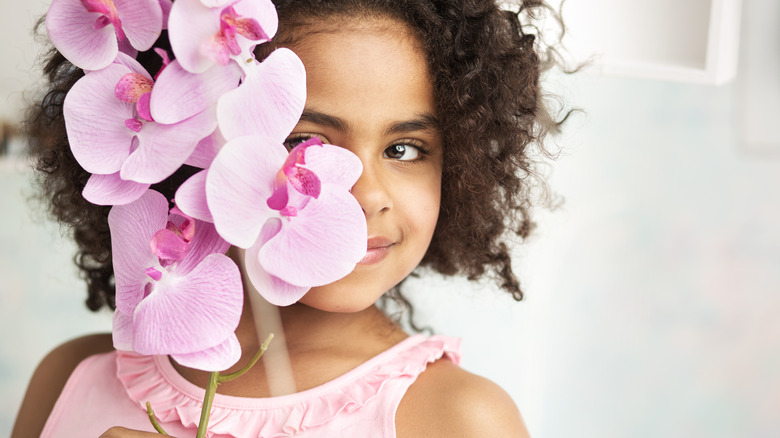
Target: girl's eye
[(296, 139), (402, 152)]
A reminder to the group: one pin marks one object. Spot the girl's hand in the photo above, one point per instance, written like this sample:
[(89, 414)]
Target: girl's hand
[(121, 432)]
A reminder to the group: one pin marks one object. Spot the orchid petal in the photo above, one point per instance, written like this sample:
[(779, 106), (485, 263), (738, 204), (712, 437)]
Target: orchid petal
[(273, 289), (70, 28), (216, 48), (179, 94), (217, 358), (122, 331), (270, 100), (334, 165), (95, 121), (142, 21), (321, 244), (164, 57), (189, 24), (111, 189), (296, 202), (132, 227), (126, 48), (130, 62), (190, 313), (206, 150), (239, 182), (165, 6), (163, 148), (218, 3), (191, 197)]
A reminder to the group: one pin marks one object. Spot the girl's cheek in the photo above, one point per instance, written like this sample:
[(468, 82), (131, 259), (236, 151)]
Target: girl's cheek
[(428, 204)]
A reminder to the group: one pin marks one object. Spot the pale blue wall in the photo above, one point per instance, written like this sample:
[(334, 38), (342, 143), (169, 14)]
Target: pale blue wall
[(662, 318), (41, 298)]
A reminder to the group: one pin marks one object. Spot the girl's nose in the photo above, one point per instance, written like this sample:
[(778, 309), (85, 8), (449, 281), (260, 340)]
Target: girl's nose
[(371, 193)]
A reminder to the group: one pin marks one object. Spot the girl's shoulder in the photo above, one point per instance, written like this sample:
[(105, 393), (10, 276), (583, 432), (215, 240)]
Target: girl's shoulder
[(448, 401), (49, 379)]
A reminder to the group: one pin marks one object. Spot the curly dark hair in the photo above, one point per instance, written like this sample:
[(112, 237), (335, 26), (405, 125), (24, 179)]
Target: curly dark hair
[(485, 66)]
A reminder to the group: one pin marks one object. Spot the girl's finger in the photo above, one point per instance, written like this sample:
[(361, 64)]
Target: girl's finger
[(122, 432)]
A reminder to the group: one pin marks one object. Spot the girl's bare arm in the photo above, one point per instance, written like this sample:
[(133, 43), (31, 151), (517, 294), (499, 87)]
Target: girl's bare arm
[(49, 379)]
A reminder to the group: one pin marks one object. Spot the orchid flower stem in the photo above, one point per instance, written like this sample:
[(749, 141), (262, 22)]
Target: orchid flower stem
[(215, 379), (211, 389), (153, 419), (252, 362)]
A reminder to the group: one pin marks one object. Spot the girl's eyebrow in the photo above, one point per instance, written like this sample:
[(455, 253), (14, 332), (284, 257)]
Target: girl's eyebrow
[(421, 122), (323, 119)]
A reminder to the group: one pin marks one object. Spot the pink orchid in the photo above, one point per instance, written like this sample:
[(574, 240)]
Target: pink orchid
[(90, 33), (208, 32), (131, 132), (269, 102), (176, 291), (292, 211)]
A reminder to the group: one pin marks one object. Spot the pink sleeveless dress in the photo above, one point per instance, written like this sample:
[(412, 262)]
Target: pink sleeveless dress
[(112, 389)]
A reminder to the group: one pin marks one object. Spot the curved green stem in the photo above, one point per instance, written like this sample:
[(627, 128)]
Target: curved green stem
[(215, 379), (248, 366), (153, 419)]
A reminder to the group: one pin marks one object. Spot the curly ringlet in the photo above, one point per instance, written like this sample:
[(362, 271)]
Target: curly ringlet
[(485, 66)]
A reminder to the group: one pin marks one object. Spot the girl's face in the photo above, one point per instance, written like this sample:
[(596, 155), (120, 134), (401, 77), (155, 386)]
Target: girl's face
[(369, 91)]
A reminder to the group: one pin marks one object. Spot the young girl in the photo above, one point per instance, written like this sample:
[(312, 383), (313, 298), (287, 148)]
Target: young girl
[(440, 100)]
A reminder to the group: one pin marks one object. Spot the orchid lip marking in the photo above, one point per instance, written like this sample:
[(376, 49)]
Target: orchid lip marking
[(132, 86), (108, 15), (165, 60), (172, 243), (134, 124), (154, 274), (136, 88), (232, 24), (300, 178), (220, 46), (289, 211)]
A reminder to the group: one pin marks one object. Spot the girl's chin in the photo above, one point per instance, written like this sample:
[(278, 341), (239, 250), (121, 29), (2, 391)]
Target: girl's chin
[(341, 298)]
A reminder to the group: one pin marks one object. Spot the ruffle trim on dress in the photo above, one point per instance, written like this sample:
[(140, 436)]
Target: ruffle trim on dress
[(174, 399)]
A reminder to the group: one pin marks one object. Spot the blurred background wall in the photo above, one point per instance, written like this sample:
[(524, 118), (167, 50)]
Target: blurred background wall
[(653, 291), (41, 297)]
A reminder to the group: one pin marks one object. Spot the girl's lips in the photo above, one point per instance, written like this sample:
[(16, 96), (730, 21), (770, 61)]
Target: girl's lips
[(377, 250)]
